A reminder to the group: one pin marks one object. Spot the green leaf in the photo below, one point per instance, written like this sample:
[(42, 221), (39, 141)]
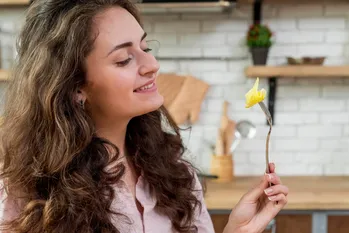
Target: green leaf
[(259, 36)]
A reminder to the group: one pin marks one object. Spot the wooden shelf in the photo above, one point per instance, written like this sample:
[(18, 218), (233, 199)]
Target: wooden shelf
[(297, 71), (14, 2), (293, 71)]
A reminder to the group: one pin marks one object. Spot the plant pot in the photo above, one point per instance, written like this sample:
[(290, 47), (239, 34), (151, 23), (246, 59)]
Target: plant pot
[(259, 55)]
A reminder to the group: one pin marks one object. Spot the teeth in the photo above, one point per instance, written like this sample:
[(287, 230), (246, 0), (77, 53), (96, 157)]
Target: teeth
[(146, 87)]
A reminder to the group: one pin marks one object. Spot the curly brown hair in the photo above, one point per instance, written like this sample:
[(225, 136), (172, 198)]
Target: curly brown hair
[(52, 160)]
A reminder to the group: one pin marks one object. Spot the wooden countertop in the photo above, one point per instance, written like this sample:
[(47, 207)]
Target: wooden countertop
[(305, 193)]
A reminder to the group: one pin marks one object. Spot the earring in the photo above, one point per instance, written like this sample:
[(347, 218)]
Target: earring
[(82, 105)]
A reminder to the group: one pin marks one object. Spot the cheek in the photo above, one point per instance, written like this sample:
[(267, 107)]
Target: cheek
[(119, 88), (119, 83), (112, 89)]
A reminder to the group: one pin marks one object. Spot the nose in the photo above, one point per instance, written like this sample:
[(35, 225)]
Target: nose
[(149, 66)]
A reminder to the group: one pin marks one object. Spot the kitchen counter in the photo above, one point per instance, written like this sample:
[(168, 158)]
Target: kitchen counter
[(321, 193), (321, 196)]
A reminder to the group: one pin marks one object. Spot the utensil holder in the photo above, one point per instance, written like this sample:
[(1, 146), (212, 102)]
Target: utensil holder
[(222, 166)]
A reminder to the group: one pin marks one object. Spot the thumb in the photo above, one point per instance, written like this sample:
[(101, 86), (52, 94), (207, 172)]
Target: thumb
[(255, 193)]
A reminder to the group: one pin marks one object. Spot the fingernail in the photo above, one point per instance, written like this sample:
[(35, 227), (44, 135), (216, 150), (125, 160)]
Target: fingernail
[(269, 176), (268, 191), (271, 198)]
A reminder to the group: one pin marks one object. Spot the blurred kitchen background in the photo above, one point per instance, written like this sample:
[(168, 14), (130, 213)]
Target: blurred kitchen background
[(311, 120), (311, 131)]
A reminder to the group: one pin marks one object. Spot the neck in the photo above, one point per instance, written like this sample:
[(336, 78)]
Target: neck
[(115, 133)]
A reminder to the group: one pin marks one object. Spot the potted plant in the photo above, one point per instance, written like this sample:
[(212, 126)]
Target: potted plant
[(259, 41)]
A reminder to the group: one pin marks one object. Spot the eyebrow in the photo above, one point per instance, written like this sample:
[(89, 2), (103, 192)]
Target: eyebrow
[(127, 44)]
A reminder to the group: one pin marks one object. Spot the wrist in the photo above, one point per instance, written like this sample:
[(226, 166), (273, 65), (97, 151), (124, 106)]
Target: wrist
[(230, 228)]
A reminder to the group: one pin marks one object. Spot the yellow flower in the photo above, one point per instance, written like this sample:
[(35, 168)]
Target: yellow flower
[(254, 96)]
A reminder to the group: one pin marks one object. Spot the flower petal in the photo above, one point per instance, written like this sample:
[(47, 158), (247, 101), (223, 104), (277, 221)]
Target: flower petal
[(254, 96)]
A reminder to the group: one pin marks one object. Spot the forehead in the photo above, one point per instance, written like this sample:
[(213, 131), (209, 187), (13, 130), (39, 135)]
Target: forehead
[(116, 25)]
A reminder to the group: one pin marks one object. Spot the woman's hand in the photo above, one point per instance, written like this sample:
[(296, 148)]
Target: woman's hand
[(258, 206)]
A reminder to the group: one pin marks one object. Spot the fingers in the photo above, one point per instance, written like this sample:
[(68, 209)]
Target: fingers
[(271, 168), (280, 198), (276, 190), (274, 206), (274, 179), (255, 193)]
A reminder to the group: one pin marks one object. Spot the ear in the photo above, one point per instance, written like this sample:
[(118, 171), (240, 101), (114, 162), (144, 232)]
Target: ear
[(80, 95)]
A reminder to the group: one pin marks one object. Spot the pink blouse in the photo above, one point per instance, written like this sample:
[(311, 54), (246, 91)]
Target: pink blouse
[(148, 222)]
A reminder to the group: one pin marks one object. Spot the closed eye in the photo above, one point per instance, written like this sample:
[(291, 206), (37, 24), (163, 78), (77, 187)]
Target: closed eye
[(127, 61), (123, 63)]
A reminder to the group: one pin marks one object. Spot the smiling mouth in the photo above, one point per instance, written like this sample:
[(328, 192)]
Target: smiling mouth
[(145, 87)]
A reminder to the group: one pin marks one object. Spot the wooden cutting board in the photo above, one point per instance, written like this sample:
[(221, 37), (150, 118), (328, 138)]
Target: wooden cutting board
[(169, 86), (183, 96)]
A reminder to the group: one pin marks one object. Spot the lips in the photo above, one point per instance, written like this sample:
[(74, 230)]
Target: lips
[(145, 87)]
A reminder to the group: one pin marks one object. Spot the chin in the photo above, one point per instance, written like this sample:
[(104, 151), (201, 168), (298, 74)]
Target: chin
[(151, 105)]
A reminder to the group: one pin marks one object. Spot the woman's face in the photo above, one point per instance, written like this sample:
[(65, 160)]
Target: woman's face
[(120, 70)]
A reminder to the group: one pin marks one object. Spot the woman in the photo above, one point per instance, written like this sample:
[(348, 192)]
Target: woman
[(83, 142)]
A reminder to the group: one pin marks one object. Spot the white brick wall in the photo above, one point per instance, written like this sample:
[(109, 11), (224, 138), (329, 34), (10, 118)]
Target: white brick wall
[(306, 37), (311, 133), (10, 20), (337, 9), (301, 10), (322, 23)]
